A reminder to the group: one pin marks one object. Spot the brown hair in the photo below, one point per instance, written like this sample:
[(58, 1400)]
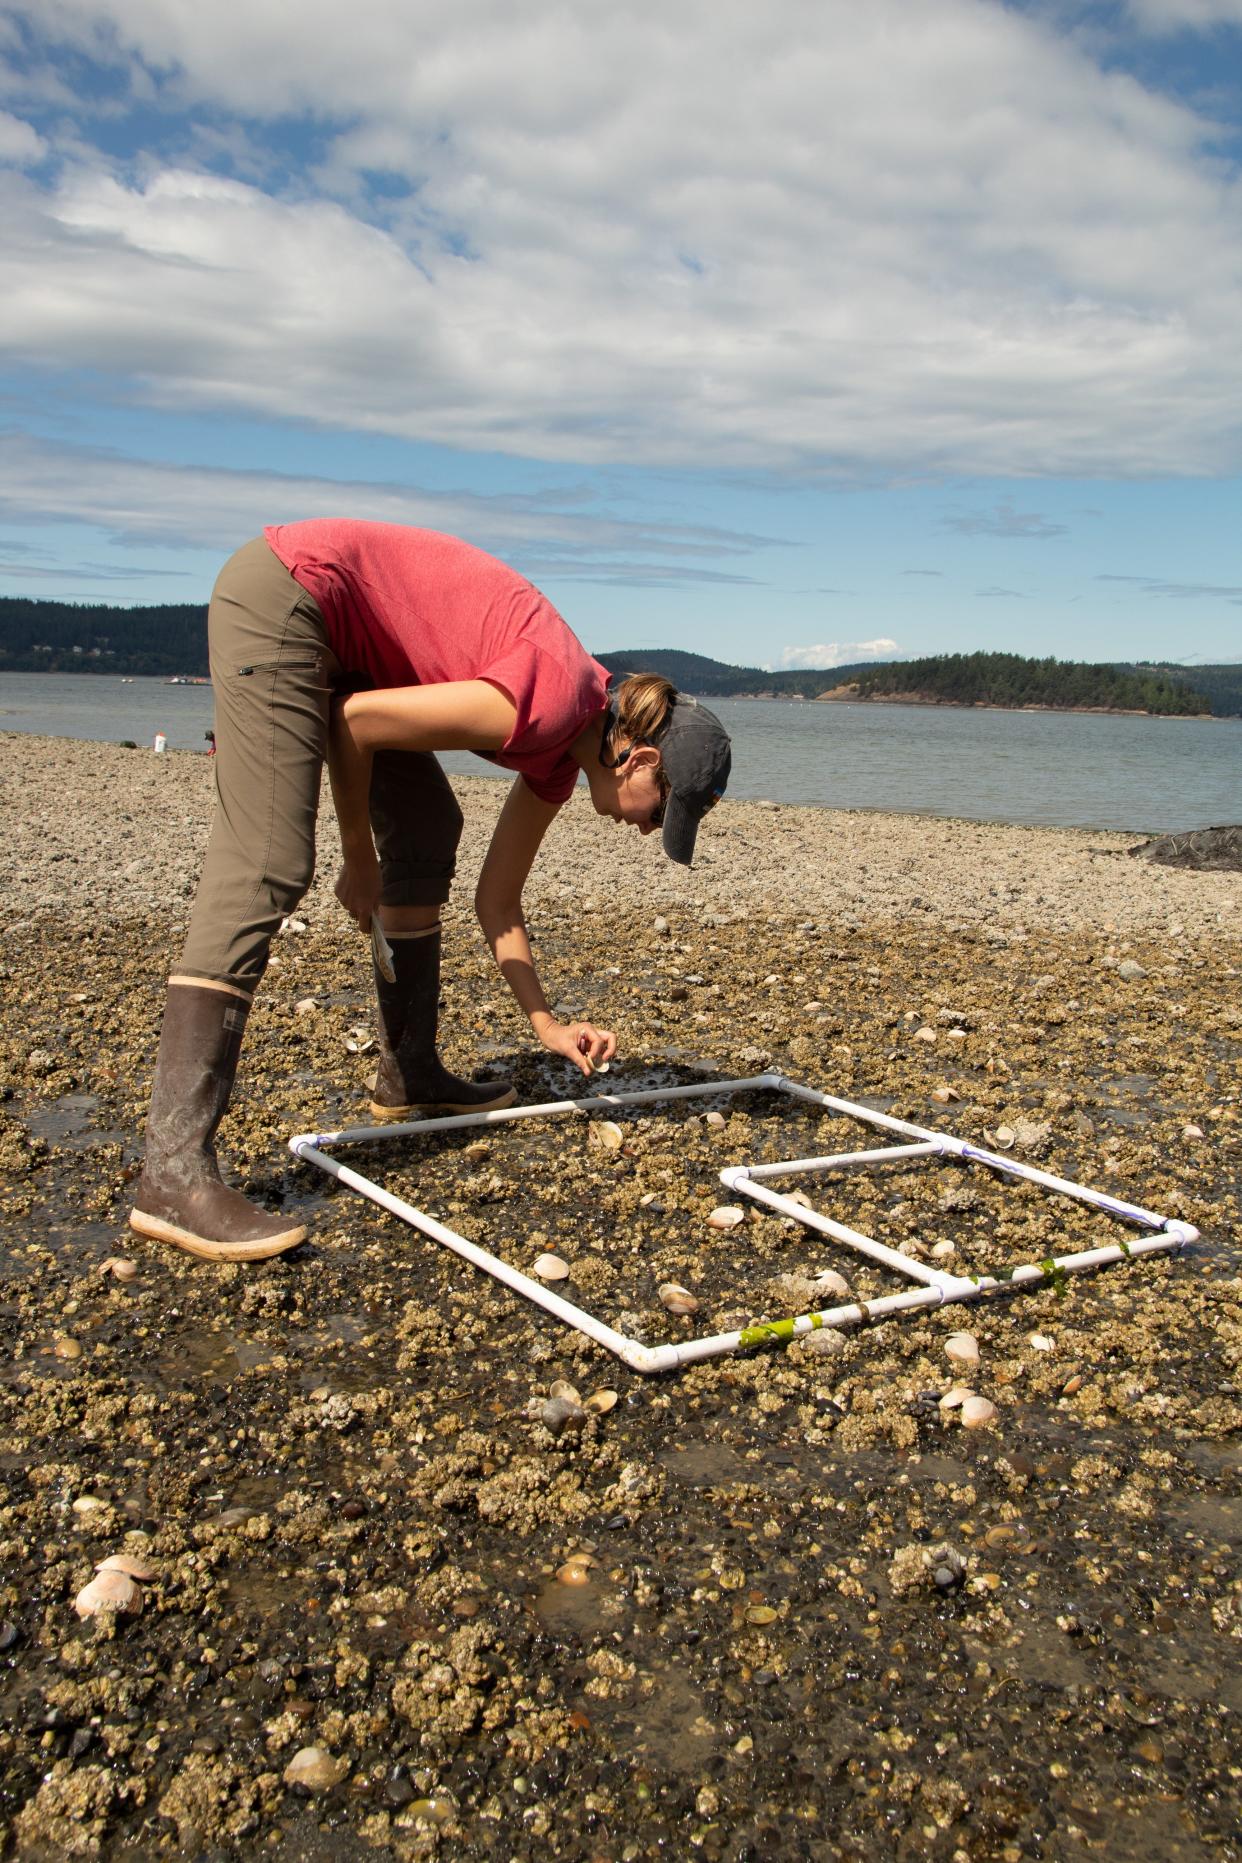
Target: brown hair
[(644, 702)]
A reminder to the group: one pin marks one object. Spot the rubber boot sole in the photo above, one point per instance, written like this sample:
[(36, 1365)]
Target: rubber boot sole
[(432, 1109), (157, 1230)]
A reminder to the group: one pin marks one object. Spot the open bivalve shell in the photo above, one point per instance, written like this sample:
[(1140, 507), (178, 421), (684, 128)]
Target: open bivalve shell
[(677, 1299), (109, 1591), (125, 1562)]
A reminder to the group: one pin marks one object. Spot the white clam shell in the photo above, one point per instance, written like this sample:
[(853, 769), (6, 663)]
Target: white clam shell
[(551, 1267), (114, 1591), (727, 1216), (962, 1348), (125, 1562), (678, 1299), (561, 1387), (978, 1413), (599, 1403), (605, 1134), (119, 1267)]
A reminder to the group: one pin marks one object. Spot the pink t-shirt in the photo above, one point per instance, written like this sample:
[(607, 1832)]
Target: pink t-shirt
[(411, 607)]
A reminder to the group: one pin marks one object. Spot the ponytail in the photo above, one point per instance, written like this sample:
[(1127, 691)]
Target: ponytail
[(644, 704)]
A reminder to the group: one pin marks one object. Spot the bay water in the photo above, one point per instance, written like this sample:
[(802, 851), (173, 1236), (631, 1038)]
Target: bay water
[(1059, 769)]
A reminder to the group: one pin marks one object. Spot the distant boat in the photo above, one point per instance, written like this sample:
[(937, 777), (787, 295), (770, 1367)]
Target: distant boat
[(188, 679)]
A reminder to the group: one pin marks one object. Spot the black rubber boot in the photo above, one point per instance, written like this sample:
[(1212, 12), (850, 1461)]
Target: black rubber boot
[(180, 1197), (411, 1079)]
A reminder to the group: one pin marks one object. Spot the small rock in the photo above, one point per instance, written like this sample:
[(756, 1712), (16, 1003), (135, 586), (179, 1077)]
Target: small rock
[(824, 1342), (306, 1007), (660, 927), (1031, 1135), (551, 1267), (314, 1769), (978, 1413), (727, 1216), (962, 1348), (677, 1299), (1130, 972), (109, 1591), (558, 1414), (761, 1614), (918, 1568), (925, 1034)]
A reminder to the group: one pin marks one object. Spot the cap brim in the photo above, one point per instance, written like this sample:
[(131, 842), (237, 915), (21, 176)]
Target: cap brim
[(680, 829)]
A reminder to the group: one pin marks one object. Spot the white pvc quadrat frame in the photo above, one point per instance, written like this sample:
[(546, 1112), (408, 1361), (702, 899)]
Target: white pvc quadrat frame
[(934, 1286)]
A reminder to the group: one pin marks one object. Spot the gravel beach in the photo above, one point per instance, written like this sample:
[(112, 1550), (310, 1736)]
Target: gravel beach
[(391, 1594)]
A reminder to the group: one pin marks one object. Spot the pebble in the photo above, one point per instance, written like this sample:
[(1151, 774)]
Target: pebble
[(761, 1614), (660, 927), (551, 1267), (727, 1216), (559, 1414), (962, 1348), (1130, 972), (677, 1299), (824, 1342), (978, 1413), (109, 1591), (925, 1034), (314, 1769)]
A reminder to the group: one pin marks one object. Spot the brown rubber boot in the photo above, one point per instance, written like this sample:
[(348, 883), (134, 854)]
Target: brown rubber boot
[(180, 1196), (411, 1079)]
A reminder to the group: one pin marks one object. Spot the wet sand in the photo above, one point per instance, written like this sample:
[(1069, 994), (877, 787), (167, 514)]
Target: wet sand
[(336, 1466)]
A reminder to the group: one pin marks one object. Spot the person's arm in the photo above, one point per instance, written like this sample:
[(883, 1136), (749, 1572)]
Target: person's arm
[(519, 831), (468, 714)]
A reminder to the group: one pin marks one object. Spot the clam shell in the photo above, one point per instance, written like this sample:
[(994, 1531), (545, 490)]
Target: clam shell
[(728, 1216), (955, 1397), (606, 1134), (962, 1348), (561, 1387), (125, 1562), (67, 1348), (677, 1299), (114, 1591), (575, 1571), (599, 1403), (551, 1267), (978, 1413), (119, 1267)]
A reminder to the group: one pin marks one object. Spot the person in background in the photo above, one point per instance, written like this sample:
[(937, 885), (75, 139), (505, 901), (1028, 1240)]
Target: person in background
[(209, 738), (374, 646)]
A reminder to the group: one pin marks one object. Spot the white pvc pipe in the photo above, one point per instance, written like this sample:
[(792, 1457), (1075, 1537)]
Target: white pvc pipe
[(642, 1358), (738, 1177), (881, 1155)]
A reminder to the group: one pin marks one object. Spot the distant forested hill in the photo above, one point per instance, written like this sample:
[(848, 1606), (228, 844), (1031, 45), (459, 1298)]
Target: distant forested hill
[(1009, 679), (70, 637)]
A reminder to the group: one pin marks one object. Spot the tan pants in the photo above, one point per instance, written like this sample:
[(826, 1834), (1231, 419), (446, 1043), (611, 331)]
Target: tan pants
[(273, 675)]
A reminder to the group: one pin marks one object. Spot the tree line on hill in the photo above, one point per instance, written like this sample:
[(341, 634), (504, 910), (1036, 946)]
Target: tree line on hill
[(170, 640)]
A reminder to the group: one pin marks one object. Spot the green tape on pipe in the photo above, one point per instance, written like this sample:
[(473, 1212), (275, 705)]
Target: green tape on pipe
[(775, 1329)]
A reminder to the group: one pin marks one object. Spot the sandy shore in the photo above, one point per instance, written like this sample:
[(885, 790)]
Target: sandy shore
[(702, 1622)]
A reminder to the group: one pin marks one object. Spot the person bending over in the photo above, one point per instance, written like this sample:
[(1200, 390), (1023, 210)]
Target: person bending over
[(375, 646)]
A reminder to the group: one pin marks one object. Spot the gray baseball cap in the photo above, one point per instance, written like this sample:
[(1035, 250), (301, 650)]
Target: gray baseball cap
[(696, 758)]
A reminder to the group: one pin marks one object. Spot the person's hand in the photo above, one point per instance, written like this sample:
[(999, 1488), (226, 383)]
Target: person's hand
[(358, 888), (580, 1042)]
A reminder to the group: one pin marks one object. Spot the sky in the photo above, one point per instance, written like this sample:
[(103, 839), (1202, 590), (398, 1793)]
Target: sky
[(795, 334)]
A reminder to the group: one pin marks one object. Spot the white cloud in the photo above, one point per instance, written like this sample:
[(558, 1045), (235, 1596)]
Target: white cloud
[(894, 239), (142, 502), (20, 144), (836, 653)]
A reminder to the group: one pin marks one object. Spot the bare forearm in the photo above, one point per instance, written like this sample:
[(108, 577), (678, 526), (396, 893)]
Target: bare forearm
[(505, 931)]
